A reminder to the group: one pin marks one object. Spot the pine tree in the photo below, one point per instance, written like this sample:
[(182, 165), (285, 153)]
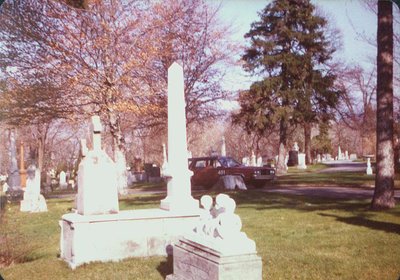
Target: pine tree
[(289, 50)]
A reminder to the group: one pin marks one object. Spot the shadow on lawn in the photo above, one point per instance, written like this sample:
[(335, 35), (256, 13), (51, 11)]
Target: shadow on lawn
[(362, 221), (265, 201), (166, 267)]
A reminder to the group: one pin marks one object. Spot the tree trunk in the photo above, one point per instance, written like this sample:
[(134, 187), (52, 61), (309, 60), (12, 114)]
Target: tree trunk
[(40, 153), (384, 179), (307, 142), (115, 130), (281, 165)]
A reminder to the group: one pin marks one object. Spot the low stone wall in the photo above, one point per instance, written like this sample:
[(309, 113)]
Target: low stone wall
[(112, 237)]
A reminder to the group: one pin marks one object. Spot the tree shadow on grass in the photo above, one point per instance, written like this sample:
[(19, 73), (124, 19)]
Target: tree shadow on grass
[(364, 222), (166, 267), (272, 201)]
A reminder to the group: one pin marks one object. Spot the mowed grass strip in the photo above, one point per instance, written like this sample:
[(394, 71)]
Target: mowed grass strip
[(312, 176), (297, 237)]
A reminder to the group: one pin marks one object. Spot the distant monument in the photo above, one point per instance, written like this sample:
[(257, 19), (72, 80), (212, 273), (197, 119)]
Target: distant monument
[(293, 157), (223, 147), (253, 159), (164, 165), (63, 180), (33, 201), (302, 161)]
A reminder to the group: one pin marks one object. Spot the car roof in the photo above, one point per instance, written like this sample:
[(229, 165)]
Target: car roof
[(205, 158)]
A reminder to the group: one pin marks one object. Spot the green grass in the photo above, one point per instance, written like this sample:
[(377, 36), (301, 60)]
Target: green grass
[(297, 238), (311, 177)]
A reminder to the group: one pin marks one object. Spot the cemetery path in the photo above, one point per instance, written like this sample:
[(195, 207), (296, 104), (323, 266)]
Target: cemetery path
[(344, 166)]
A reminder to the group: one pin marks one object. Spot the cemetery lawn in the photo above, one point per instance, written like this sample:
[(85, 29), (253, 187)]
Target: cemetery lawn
[(297, 237), (311, 177)]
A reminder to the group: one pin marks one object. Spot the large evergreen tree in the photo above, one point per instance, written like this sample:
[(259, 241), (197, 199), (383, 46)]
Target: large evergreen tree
[(289, 51)]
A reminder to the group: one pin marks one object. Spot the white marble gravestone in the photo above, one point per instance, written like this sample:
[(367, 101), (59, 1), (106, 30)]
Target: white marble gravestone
[(216, 248), (178, 175), (302, 161), (63, 180), (259, 161), (164, 165), (253, 159), (353, 156), (97, 180), (369, 168), (33, 201), (88, 235), (223, 147), (339, 156)]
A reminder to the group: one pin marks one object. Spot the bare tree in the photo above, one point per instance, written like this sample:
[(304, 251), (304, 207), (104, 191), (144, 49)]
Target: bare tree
[(110, 58)]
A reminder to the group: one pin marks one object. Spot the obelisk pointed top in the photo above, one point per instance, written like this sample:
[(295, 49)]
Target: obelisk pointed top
[(177, 63)]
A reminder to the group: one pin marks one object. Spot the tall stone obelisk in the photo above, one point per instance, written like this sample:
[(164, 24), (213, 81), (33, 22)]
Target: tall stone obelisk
[(179, 197)]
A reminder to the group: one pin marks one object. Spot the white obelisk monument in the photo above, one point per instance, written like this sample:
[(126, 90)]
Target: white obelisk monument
[(179, 197)]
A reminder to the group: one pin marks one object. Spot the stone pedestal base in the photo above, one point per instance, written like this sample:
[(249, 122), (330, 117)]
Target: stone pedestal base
[(112, 237), (179, 205), (33, 204), (193, 261)]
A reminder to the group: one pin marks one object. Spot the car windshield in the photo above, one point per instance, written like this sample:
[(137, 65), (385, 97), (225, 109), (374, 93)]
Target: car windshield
[(229, 162)]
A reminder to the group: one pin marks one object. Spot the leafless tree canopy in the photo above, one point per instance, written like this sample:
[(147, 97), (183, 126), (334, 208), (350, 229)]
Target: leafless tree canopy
[(109, 58)]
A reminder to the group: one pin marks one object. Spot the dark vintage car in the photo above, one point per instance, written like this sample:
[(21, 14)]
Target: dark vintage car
[(207, 170)]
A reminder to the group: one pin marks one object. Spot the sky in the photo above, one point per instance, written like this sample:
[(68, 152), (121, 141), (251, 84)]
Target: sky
[(350, 17)]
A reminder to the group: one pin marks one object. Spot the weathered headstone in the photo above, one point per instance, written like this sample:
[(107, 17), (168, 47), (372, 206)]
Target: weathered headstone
[(97, 182), (246, 161), (346, 155), (259, 161), (293, 158), (302, 161), (223, 147), (369, 168), (216, 248), (178, 175), (253, 159), (353, 156), (164, 165), (339, 156), (97, 231), (63, 180), (33, 201), (295, 147)]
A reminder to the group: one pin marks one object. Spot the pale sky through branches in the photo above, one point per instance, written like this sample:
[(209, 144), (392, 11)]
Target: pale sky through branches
[(348, 16)]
